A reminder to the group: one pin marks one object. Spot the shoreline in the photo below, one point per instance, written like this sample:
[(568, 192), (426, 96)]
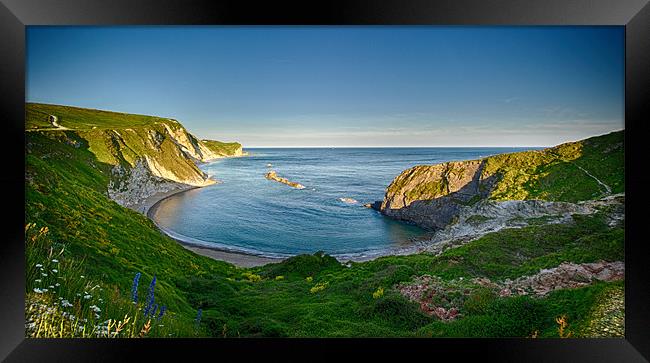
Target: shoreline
[(239, 259), (243, 259)]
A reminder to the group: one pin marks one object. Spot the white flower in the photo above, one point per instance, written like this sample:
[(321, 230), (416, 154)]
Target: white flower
[(55, 260), (96, 316), (37, 280), (44, 290), (57, 284), (87, 297), (39, 265), (95, 308), (82, 276), (51, 286), (65, 303), (43, 274), (55, 270), (38, 291)]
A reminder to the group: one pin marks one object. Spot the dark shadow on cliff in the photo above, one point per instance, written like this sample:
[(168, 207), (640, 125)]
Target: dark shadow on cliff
[(436, 213)]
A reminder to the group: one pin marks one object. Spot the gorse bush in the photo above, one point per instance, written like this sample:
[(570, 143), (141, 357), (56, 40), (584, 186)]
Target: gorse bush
[(379, 293), (318, 287)]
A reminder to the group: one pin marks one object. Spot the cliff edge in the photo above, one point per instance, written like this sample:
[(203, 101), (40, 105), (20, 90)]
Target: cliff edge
[(433, 196), (146, 155)]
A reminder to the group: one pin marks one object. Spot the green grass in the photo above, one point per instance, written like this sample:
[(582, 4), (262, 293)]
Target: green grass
[(553, 173), (66, 191), (84, 119), (550, 174), (222, 148)]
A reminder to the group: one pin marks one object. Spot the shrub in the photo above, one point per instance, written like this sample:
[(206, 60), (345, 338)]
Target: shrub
[(478, 301), (318, 287), (379, 293)]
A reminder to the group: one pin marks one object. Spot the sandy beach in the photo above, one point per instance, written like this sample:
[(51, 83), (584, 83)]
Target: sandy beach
[(149, 206)]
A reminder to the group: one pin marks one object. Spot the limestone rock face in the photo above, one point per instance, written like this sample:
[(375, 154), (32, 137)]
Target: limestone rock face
[(188, 143), (432, 195), (130, 186)]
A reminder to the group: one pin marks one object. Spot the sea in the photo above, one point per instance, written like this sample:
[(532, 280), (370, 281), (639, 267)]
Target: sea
[(245, 212)]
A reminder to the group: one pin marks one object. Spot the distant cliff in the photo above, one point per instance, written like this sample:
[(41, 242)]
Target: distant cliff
[(146, 154), (433, 195)]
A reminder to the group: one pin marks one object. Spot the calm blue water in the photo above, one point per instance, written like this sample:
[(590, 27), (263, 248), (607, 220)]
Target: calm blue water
[(249, 213)]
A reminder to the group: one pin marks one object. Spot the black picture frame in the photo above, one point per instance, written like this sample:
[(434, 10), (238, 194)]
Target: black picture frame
[(16, 14)]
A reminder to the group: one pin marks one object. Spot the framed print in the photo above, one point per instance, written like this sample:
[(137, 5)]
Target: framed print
[(425, 177)]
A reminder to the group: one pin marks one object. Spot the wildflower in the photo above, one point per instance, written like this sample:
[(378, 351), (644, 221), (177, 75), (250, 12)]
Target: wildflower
[(39, 265), (65, 303), (87, 296), (44, 290), (55, 260), (150, 297), (95, 308), (43, 274), (55, 270), (309, 279), (38, 291), (57, 284), (198, 317), (37, 280), (162, 312), (154, 308), (134, 288), (82, 276)]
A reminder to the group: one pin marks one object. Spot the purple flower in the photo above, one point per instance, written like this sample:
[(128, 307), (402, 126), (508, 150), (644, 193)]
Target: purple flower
[(150, 297), (162, 312), (134, 288), (152, 313), (198, 317)]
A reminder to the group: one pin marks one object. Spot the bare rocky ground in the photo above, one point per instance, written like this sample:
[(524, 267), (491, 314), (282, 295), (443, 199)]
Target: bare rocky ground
[(445, 299)]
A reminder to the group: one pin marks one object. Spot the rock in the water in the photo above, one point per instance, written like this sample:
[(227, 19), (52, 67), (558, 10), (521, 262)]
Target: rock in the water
[(272, 175), (374, 205), (348, 200)]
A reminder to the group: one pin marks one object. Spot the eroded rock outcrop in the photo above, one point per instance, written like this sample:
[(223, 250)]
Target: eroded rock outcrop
[(524, 184), (272, 175)]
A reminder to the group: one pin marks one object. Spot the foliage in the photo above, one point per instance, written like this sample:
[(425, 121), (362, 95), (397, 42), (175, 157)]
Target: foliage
[(96, 242)]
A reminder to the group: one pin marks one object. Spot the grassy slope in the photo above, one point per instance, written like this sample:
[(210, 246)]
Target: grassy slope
[(66, 191), (554, 173), (548, 174), (83, 118)]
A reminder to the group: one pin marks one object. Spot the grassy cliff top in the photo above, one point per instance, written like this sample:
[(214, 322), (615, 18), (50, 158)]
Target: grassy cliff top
[(76, 118), (222, 148), (573, 171)]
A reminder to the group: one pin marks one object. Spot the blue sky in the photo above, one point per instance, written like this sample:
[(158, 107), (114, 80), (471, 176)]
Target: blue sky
[(343, 86)]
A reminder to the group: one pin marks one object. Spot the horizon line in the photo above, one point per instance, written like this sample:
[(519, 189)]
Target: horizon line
[(387, 147)]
